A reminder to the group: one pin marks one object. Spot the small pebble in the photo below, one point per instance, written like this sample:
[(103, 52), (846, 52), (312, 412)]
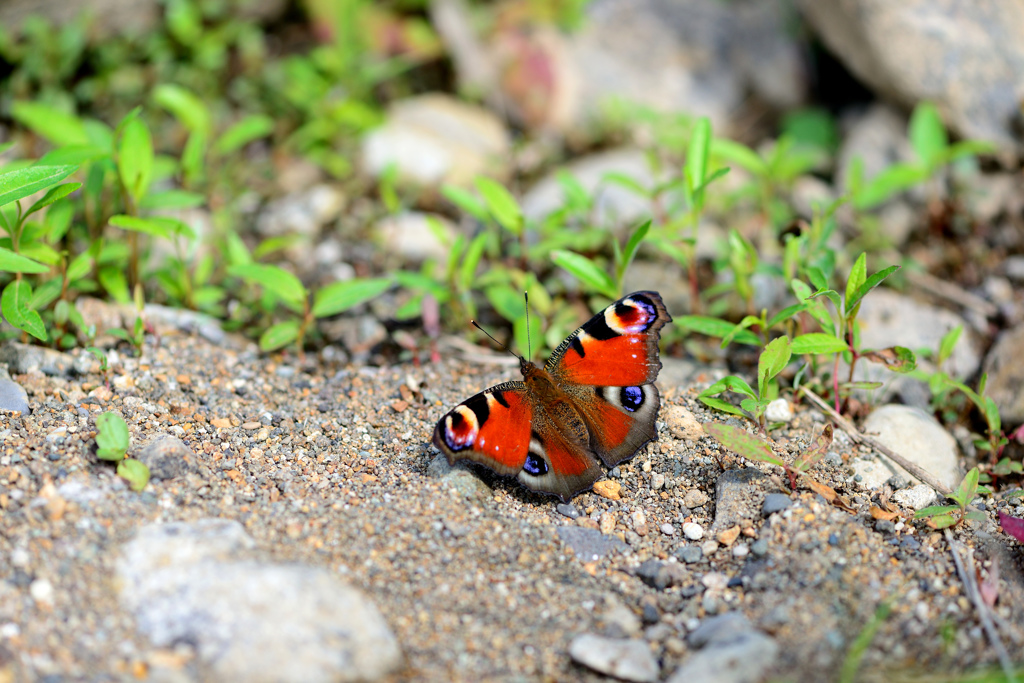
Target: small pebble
[(667, 529), (41, 591), (607, 523), (693, 531), (740, 551), (567, 510), (657, 481), (689, 554)]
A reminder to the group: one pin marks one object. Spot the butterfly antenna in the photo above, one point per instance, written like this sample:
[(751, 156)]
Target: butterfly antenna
[(529, 351), (477, 326)]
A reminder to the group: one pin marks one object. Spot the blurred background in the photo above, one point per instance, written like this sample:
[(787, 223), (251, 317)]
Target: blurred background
[(358, 179)]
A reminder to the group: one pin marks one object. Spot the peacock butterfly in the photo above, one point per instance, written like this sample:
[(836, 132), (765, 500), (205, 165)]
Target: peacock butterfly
[(594, 398)]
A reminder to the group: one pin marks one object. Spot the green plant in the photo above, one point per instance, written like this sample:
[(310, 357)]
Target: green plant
[(280, 286), (113, 441), (841, 335), (933, 152), (752, 447), (942, 516), (772, 361)]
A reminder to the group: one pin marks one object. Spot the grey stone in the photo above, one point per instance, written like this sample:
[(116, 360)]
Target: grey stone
[(775, 502), (193, 322), (24, 358), (589, 544), (249, 620), (735, 496), (1006, 375), (628, 660), (733, 652), (167, 457), (689, 554), (719, 630), (303, 213), (567, 510), (458, 477), (915, 435), (966, 57), (13, 396), (662, 575)]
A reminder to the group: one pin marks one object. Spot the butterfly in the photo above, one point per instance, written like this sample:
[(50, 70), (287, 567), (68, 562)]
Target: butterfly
[(593, 400)]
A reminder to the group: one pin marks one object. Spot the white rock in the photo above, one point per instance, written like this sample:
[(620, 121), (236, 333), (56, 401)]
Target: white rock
[(693, 531), (41, 591), (434, 139), (916, 497), (779, 410), (668, 529), (916, 436), (416, 236), (629, 660)]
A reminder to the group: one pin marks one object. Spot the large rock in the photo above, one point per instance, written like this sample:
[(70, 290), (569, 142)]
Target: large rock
[(967, 57), (677, 56), (434, 139), (915, 435), (1006, 375), (250, 620)]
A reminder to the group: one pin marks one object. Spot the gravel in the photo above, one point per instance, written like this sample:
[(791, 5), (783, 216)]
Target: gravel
[(326, 486)]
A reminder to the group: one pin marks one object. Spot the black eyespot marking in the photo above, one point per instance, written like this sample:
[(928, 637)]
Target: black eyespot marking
[(499, 396), (577, 346), (535, 465), (631, 398), (599, 391)]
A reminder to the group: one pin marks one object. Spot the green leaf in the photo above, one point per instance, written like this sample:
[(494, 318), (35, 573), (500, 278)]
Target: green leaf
[(632, 245), (773, 360), (729, 383), (858, 274), (576, 196), (724, 406), (79, 267), (52, 195), (934, 510), (112, 436), (45, 294), (150, 226), (21, 183), (275, 281), (928, 134), (716, 327), (896, 358), (501, 204), (739, 154), (341, 296), (743, 443), (992, 416), (470, 261), (134, 472), (584, 270), (740, 326), (697, 160), (964, 493), (967, 148), (250, 128), (14, 305), (867, 286), (786, 313), (625, 181), (466, 201), (58, 127), (185, 106), (113, 280), (818, 342), (948, 343), (891, 181), (171, 199), (135, 158), (279, 335), (15, 263)]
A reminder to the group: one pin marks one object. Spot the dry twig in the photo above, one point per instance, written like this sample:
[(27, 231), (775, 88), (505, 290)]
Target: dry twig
[(860, 437)]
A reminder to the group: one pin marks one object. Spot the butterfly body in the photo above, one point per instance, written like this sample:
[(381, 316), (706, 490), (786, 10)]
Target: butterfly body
[(593, 401)]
